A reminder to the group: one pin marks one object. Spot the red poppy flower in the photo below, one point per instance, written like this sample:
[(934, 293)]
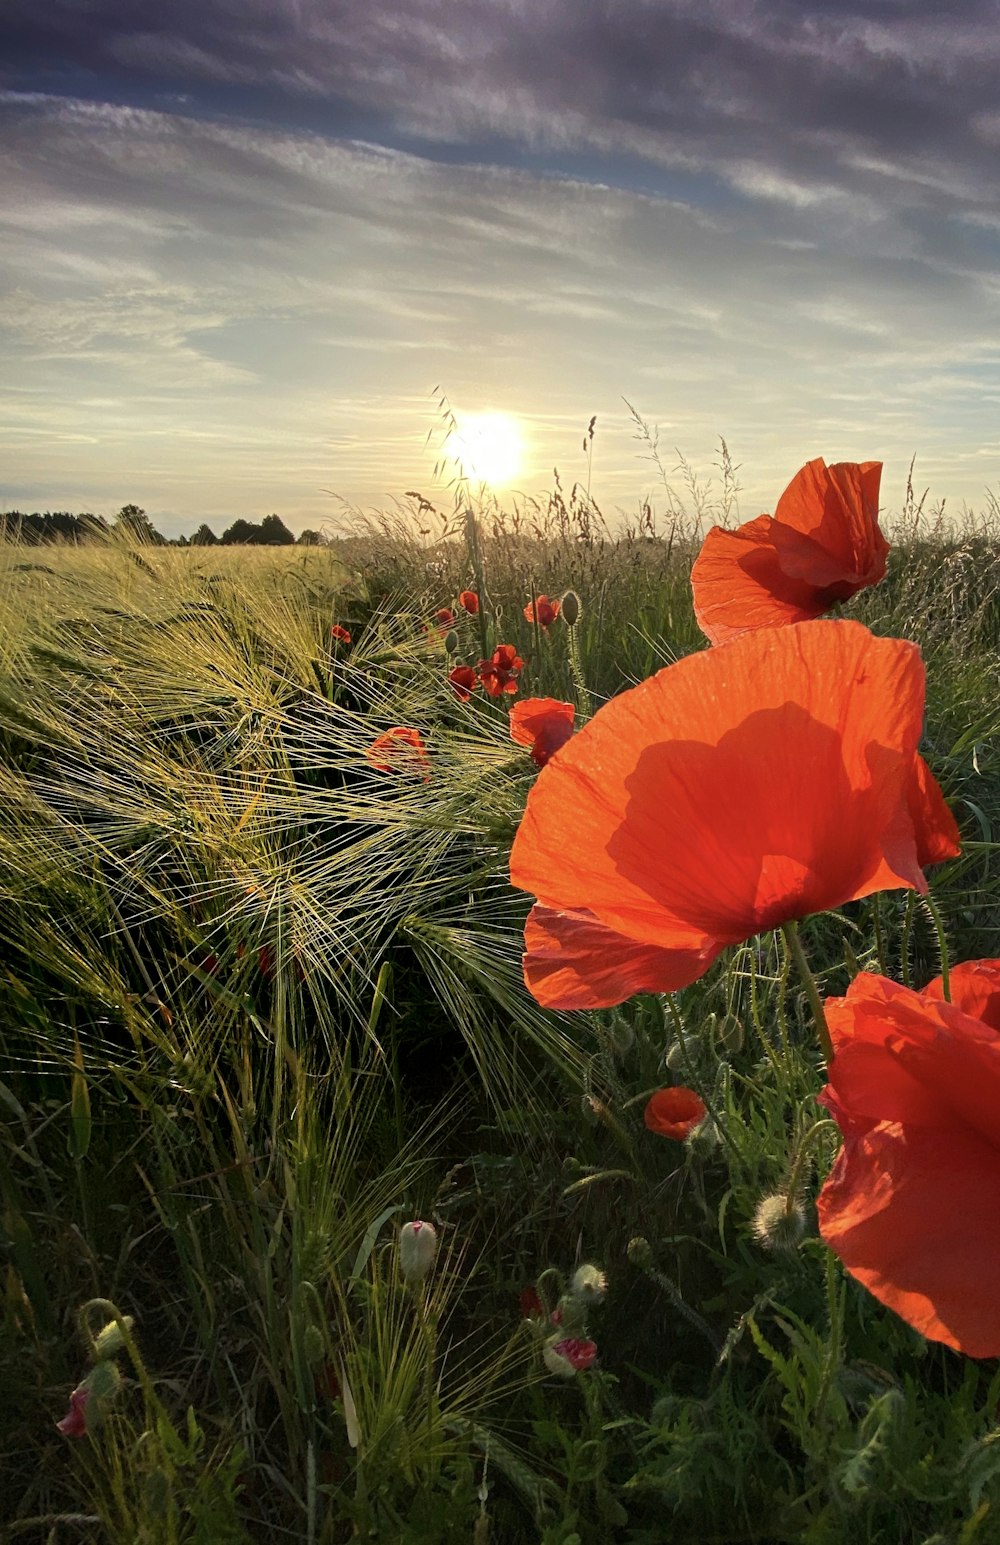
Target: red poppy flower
[(531, 1304), (470, 600), (821, 545), (910, 1204), (544, 610), (734, 791), (674, 1112), (398, 750), (339, 634), (544, 724), (445, 618), (499, 673), (463, 679), (74, 1423)]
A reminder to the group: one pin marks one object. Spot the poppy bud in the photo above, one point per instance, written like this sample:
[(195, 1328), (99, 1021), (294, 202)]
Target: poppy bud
[(589, 1284), (568, 1356), (640, 1253), (730, 1034), (569, 606), (417, 1249), (313, 1344), (103, 1381), (685, 1050), (451, 642), (703, 1139), (779, 1222), (109, 1341)]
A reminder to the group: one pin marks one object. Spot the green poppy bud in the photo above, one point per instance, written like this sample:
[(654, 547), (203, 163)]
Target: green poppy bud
[(640, 1253), (109, 1341), (451, 642), (779, 1222), (569, 608)]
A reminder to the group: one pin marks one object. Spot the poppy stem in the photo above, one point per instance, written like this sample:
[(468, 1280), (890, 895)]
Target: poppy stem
[(790, 932), (936, 919)]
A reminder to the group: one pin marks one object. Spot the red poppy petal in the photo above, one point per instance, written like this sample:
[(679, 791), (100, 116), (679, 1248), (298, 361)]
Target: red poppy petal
[(740, 580), (572, 962), (933, 822), (975, 989), (838, 508), (734, 790), (909, 1211)]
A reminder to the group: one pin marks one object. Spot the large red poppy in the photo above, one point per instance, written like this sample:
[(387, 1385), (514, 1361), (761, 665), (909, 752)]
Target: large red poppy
[(821, 545), (544, 724), (910, 1204), (469, 599), (463, 679), (734, 791)]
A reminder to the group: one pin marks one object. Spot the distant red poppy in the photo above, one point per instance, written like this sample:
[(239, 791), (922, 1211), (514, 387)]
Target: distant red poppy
[(531, 1304), (544, 724), (544, 610), (470, 600), (74, 1423), (499, 673), (910, 1204), (398, 750), (674, 1112), (821, 545), (734, 791), (445, 618), (463, 679), (339, 634)]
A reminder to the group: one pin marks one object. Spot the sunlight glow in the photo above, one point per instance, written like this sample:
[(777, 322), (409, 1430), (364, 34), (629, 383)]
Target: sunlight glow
[(488, 447)]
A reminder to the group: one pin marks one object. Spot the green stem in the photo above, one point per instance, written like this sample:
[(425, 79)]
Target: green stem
[(935, 916), (790, 932)]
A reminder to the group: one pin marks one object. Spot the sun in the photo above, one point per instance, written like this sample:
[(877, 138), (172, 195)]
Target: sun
[(488, 447)]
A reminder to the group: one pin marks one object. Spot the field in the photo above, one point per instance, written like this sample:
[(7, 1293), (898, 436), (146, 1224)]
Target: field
[(261, 1004)]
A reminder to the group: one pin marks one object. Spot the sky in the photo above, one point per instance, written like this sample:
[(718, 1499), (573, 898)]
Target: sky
[(247, 246)]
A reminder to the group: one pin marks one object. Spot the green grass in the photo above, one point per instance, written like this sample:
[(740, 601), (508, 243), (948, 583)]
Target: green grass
[(260, 1003)]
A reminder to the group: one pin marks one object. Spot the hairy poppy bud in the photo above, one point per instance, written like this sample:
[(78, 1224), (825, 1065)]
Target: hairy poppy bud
[(730, 1034), (451, 642), (109, 1341), (683, 1053), (703, 1139), (589, 1283), (569, 606), (103, 1381), (779, 1222), (417, 1249)]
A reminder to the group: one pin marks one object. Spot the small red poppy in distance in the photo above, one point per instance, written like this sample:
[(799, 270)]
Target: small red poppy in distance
[(544, 724), (470, 601), (734, 791), (398, 750), (910, 1205), (463, 679), (674, 1112), (544, 610), (340, 635), (499, 673), (821, 545), (444, 617)]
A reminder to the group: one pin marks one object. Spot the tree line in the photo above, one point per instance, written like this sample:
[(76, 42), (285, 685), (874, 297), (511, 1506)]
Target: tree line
[(61, 526)]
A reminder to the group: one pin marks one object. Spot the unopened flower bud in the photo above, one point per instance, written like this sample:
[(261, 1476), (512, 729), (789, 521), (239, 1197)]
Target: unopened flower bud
[(779, 1222), (417, 1249), (451, 642), (109, 1341), (621, 1036), (640, 1253), (103, 1381), (703, 1139), (569, 608), (568, 1356), (731, 1034), (589, 1283)]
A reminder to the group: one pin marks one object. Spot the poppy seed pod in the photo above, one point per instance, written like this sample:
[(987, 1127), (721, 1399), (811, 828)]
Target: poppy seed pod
[(779, 1222), (570, 608), (589, 1283), (417, 1249)]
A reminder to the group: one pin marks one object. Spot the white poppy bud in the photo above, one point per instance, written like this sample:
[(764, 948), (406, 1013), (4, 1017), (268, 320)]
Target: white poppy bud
[(417, 1249)]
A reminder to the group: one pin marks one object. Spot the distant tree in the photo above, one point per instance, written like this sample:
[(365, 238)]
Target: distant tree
[(309, 538), (204, 537), (274, 532), (241, 533), (137, 523)]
